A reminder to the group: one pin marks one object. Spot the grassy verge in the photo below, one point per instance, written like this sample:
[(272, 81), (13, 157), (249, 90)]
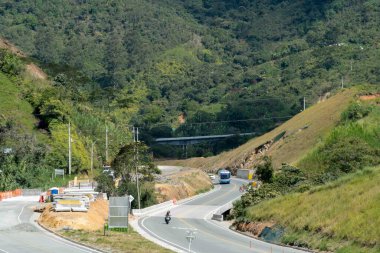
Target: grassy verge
[(342, 216), (115, 242)]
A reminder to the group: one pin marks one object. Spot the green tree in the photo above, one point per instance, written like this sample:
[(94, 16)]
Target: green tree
[(265, 170), (115, 59), (131, 157), (105, 184), (49, 45), (9, 63)]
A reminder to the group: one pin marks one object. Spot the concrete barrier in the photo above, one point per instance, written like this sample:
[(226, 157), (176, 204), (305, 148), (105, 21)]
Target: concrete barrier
[(217, 217), (244, 174), (218, 214), (147, 210), (168, 204), (67, 205)]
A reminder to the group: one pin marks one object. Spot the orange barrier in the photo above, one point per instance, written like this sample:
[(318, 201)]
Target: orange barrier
[(10, 194)]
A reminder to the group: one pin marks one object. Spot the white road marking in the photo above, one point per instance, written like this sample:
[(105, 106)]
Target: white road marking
[(193, 229), (258, 242), (61, 240), (71, 244), (18, 217), (162, 239)]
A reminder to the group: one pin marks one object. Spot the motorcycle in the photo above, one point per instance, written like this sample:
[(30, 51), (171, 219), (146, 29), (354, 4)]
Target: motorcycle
[(167, 219)]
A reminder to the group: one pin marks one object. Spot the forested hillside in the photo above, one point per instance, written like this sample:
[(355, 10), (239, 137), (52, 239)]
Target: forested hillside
[(35, 114), (167, 66), (328, 199)]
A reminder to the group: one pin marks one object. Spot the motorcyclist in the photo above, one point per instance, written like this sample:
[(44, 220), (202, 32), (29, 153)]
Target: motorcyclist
[(167, 217)]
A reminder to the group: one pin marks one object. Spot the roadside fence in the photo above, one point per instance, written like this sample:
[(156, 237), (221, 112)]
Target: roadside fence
[(10, 194), (31, 192)]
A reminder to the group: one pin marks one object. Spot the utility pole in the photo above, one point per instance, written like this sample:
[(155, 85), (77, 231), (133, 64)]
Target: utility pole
[(106, 144), (304, 103), (352, 64), (137, 166), (69, 148), (342, 82), (92, 157)]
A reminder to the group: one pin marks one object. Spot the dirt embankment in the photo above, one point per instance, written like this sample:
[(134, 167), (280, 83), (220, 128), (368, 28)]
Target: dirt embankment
[(370, 97), (182, 185), (93, 220), (32, 69), (252, 228)]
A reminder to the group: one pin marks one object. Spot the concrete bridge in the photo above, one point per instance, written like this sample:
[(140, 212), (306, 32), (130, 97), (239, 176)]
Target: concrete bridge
[(184, 141)]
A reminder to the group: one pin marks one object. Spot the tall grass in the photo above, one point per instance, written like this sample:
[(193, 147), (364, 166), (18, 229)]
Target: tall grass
[(346, 210), (365, 132)]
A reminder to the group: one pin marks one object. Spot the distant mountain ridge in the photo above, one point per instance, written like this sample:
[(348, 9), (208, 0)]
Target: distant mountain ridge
[(146, 62)]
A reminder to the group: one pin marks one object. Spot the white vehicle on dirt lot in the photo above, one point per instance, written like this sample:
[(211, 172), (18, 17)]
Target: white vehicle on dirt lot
[(212, 176)]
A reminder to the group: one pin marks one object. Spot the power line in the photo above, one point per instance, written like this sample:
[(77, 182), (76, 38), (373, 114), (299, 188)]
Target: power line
[(261, 99), (238, 120)]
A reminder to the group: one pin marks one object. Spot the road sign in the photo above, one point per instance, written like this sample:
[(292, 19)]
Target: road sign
[(118, 212), (59, 172), (131, 198)]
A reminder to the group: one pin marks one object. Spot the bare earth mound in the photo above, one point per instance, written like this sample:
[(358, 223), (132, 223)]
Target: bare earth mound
[(31, 69), (182, 185), (93, 220)]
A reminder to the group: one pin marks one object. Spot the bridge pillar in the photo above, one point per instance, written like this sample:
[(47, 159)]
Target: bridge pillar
[(184, 148)]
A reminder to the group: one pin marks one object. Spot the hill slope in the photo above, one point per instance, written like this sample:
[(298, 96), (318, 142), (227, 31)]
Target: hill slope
[(33, 130), (151, 61), (13, 106), (330, 202), (343, 214), (302, 133)]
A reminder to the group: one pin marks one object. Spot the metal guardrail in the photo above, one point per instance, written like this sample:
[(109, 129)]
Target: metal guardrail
[(146, 210), (83, 184), (31, 192), (167, 204)]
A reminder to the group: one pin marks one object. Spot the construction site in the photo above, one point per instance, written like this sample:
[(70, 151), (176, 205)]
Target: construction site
[(80, 207)]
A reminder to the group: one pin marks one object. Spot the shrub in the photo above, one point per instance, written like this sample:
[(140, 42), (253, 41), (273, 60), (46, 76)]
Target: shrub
[(105, 184), (349, 154), (147, 196), (356, 111), (9, 63), (265, 170)]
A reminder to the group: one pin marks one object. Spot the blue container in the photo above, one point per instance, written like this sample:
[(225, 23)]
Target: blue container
[(54, 191)]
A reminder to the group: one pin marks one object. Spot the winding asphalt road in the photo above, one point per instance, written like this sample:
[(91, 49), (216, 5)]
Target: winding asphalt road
[(210, 236), (20, 234)]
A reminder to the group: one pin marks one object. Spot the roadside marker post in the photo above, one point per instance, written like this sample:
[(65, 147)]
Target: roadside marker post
[(190, 237)]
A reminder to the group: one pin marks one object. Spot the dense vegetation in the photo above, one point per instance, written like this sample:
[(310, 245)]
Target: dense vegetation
[(133, 160), (32, 147), (159, 63), (350, 147)]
